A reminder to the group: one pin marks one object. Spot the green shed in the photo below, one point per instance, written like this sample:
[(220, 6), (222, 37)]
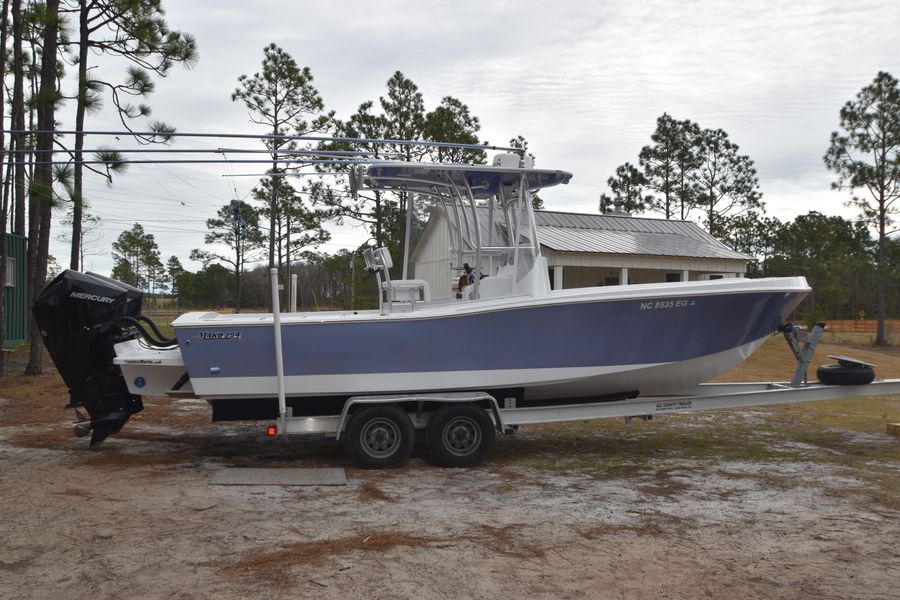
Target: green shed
[(15, 297)]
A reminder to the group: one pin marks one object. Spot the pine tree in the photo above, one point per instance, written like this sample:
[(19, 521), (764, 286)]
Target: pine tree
[(41, 192), (137, 33), (726, 181), (281, 97), (670, 166), (137, 259), (452, 121), (404, 114), (628, 188), (237, 227), (865, 156)]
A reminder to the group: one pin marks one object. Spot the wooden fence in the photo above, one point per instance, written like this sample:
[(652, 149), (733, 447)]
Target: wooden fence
[(862, 326)]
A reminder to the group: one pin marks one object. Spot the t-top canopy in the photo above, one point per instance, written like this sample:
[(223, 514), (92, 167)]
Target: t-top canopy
[(484, 181)]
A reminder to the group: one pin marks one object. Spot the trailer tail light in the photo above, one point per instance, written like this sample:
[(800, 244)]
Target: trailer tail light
[(272, 430)]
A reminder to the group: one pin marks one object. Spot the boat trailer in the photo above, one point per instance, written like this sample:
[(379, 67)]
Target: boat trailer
[(460, 427)]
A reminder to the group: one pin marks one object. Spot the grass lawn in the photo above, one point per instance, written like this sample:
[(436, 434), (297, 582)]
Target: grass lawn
[(848, 433)]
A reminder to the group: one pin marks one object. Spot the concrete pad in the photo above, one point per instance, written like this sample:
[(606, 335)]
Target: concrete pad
[(279, 477)]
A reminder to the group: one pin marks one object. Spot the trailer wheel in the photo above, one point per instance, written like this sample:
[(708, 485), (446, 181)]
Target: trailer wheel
[(459, 435), (845, 375), (380, 437)]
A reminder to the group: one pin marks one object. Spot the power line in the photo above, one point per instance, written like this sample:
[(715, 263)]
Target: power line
[(145, 220), (164, 136), (171, 197), (183, 180)]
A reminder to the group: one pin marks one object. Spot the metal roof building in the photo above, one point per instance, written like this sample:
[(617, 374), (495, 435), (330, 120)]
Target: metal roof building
[(584, 250)]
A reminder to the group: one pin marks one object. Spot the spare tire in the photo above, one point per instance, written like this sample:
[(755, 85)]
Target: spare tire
[(845, 375)]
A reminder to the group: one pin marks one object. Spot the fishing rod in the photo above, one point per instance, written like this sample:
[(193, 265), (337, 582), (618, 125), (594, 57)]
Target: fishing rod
[(215, 151), (204, 161), (307, 138), (314, 174)]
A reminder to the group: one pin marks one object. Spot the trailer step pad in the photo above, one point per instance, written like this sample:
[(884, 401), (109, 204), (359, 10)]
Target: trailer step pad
[(279, 477), (850, 361)]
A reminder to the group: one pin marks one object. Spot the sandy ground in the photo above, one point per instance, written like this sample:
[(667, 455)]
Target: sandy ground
[(137, 519), (719, 505)]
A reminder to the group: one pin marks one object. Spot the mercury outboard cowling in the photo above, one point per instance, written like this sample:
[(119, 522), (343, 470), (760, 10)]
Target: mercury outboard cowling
[(81, 317)]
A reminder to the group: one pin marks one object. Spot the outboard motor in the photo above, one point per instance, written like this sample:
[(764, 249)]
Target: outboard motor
[(81, 317)]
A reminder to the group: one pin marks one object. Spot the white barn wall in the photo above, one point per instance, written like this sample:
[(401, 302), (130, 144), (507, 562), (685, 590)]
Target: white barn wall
[(579, 277), (432, 258), (658, 263)]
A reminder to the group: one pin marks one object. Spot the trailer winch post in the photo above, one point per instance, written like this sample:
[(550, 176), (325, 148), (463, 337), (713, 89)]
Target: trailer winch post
[(803, 346), (279, 353)]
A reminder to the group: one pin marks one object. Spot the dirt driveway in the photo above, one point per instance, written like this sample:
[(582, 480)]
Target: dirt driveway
[(730, 504), (799, 501)]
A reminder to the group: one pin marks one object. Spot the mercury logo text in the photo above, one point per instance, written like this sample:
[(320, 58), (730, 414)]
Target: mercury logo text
[(92, 297)]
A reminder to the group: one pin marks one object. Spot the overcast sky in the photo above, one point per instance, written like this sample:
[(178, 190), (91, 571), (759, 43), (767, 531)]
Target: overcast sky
[(583, 82)]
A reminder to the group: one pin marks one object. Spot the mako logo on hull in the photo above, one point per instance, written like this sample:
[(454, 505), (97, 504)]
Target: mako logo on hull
[(219, 335), (92, 297)]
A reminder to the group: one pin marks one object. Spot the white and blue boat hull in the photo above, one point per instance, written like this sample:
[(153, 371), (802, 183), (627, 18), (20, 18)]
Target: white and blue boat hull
[(591, 342)]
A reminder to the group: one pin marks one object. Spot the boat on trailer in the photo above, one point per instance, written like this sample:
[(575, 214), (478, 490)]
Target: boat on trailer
[(458, 368)]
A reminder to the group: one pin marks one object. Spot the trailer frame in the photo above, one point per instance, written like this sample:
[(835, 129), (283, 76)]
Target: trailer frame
[(706, 396)]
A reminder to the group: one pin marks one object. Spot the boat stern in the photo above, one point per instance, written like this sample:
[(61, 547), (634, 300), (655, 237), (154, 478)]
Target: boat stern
[(151, 371)]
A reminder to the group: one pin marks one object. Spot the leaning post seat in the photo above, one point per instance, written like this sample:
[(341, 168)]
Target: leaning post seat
[(399, 294), (408, 291)]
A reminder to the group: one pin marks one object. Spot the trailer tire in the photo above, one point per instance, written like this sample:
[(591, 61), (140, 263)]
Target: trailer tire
[(459, 435), (380, 437), (843, 375)]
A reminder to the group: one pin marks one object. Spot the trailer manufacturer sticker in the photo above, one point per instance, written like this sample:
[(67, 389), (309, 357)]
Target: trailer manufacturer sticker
[(219, 335), (673, 405)]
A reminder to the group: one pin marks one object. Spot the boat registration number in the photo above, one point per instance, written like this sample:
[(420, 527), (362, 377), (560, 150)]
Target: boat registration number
[(220, 335), (680, 303)]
